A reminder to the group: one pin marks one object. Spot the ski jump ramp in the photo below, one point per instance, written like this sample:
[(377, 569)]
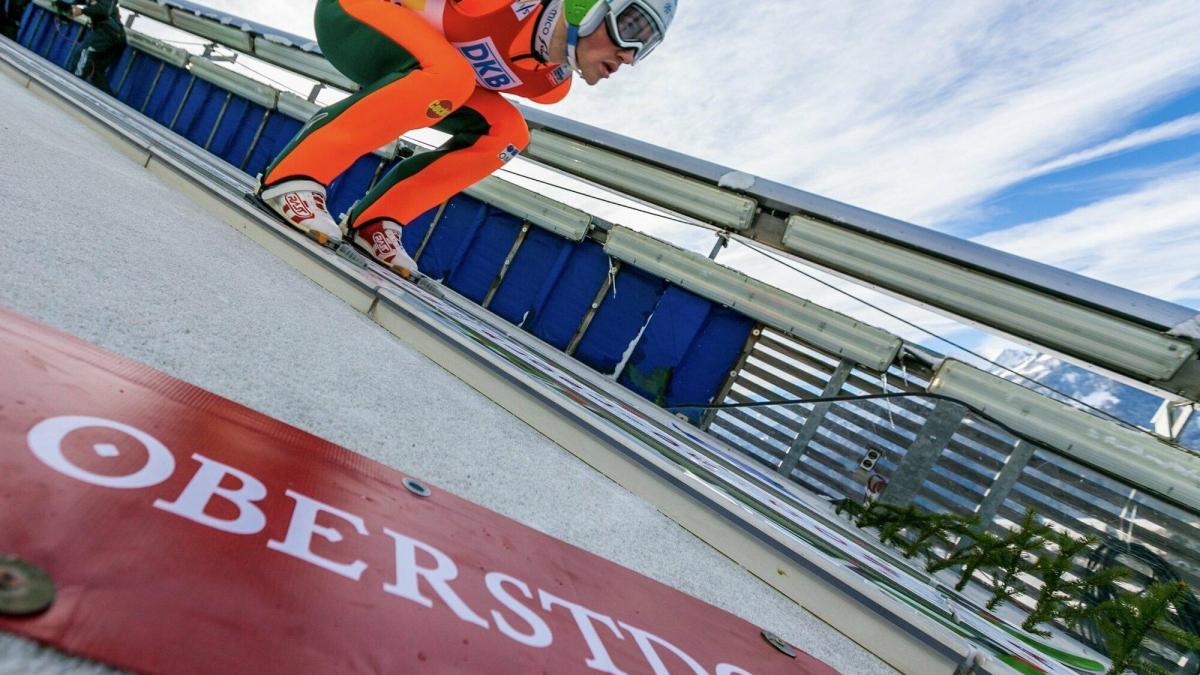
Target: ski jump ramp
[(496, 382)]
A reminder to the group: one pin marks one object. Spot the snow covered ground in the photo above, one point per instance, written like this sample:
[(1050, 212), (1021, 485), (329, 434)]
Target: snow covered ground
[(92, 244)]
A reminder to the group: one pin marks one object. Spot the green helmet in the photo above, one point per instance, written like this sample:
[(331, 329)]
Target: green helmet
[(639, 25)]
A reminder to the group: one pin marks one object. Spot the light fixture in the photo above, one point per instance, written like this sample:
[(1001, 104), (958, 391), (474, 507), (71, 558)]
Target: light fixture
[(1136, 458), (149, 8), (546, 213), (296, 107), (173, 56), (235, 83), (1091, 335), (872, 347), (652, 184), (300, 61), (230, 35)]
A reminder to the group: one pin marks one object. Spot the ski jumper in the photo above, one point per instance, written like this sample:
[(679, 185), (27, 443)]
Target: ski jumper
[(422, 63)]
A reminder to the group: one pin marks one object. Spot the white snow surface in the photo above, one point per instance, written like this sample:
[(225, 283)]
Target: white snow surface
[(93, 244)]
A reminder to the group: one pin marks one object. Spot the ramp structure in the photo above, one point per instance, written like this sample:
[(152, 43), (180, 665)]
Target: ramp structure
[(649, 362)]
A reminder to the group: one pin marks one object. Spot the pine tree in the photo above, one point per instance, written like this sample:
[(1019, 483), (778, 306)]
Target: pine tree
[(1128, 621), (1059, 597), (1013, 558), (856, 509), (938, 529), (891, 521), (1003, 553)]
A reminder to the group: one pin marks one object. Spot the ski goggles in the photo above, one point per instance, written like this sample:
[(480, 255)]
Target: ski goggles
[(636, 27)]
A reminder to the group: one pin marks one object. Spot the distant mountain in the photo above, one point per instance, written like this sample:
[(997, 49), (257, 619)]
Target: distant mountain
[(1126, 402)]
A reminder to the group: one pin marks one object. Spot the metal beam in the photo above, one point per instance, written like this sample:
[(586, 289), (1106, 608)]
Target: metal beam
[(935, 435), (815, 418), (1004, 482), (512, 253)]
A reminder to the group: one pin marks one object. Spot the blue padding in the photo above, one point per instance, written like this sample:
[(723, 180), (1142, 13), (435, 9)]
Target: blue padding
[(280, 131), (677, 320), (713, 354), (621, 316), (167, 96), (118, 69), (32, 17), (47, 32), (200, 112), (414, 232), (236, 130), (558, 315), (135, 90), (485, 254), (351, 185), (452, 236), (686, 352), (68, 34), (534, 270)]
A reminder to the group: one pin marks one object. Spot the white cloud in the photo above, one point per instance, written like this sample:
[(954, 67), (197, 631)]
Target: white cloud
[(914, 109), (1147, 240), (1180, 128)]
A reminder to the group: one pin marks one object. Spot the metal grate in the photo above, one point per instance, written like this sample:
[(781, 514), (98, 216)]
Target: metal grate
[(941, 457)]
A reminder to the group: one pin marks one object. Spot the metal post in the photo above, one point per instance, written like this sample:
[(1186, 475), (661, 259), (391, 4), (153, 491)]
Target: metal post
[(182, 102), (722, 242), (815, 418), (512, 253), (153, 86), (378, 172), (262, 124), (437, 218), (935, 435), (220, 118), (727, 385), (596, 302), (133, 54), (1004, 482)]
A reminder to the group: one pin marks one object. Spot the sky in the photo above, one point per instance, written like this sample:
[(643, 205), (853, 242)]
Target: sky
[(1067, 132)]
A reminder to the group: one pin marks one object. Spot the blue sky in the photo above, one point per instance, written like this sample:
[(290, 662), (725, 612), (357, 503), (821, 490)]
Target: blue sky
[(1065, 131)]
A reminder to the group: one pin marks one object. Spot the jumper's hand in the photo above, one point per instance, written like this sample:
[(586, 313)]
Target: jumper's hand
[(76, 10)]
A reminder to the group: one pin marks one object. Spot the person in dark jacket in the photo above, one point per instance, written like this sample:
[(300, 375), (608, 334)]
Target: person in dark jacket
[(102, 48), (10, 17)]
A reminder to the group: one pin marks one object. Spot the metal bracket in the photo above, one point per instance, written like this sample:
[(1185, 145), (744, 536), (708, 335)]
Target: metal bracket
[(208, 54), (417, 487), (1172, 417), (779, 643), (24, 588)]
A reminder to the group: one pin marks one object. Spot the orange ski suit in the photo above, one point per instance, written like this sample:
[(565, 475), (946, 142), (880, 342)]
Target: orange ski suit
[(421, 63)]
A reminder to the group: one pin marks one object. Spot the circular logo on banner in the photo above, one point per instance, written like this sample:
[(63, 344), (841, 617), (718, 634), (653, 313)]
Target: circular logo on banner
[(439, 109)]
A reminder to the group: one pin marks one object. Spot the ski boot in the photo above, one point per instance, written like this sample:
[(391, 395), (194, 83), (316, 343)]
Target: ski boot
[(301, 203), (381, 240)]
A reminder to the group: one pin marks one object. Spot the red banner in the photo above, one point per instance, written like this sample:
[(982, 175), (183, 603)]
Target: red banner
[(186, 533)]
